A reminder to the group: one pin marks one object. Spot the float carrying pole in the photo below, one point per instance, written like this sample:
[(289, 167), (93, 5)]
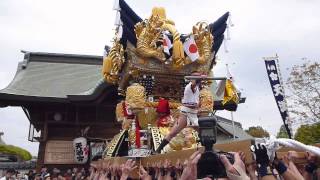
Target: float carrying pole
[(205, 78)]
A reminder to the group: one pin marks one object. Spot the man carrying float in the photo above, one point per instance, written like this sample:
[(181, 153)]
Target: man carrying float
[(188, 111)]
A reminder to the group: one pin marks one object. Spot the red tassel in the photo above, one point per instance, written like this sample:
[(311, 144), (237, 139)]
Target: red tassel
[(138, 141)]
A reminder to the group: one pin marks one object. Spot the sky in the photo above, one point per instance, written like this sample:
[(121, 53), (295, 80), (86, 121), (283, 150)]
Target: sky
[(288, 28)]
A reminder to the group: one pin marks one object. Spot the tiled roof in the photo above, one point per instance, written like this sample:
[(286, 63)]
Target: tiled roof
[(54, 75), (226, 125)]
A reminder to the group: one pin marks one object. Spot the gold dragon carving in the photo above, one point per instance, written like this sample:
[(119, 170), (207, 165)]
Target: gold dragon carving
[(113, 62), (204, 41), (149, 32)]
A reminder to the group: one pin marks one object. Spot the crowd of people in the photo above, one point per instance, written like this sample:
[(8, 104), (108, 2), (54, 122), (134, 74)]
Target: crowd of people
[(263, 168), (45, 173)]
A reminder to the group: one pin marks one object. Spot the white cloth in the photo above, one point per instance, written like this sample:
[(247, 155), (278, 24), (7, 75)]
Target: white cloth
[(273, 145), (190, 98), (167, 44), (192, 115)]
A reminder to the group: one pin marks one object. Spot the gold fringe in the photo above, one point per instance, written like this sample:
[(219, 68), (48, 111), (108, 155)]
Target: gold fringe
[(206, 100)]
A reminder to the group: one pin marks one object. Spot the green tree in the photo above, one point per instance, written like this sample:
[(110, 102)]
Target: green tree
[(304, 92), (282, 132), (14, 150), (308, 134), (257, 131)]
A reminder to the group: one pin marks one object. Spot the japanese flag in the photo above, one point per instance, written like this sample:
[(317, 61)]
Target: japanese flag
[(191, 48), (167, 44)]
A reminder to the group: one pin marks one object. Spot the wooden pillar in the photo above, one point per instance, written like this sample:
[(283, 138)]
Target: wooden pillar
[(42, 146), (41, 154)]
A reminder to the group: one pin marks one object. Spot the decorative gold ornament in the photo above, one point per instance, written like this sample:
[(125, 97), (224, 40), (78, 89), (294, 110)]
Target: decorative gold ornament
[(230, 93), (119, 112), (126, 123), (135, 96), (132, 136), (176, 143), (204, 41), (157, 137), (113, 146), (149, 32), (206, 100), (147, 116), (113, 62), (186, 139)]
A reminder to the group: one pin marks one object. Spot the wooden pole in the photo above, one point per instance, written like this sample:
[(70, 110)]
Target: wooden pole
[(233, 128), (204, 78)]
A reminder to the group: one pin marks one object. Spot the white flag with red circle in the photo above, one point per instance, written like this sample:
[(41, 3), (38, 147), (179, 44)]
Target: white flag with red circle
[(167, 44), (191, 49)]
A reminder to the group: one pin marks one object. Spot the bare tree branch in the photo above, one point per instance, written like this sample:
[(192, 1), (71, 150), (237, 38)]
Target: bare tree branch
[(304, 88)]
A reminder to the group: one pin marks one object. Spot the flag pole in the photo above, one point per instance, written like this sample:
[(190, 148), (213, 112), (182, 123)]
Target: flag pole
[(229, 76), (285, 97), (233, 128)]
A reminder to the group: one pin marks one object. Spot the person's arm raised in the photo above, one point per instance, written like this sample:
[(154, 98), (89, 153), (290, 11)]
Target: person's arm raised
[(190, 170), (143, 174), (128, 167), (237, 170), (282, 169), (311, 167)]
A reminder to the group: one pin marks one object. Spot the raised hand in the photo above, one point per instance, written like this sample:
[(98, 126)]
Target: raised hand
[(237, 169), (143, 174), (261, 154), (126, 168), (190, 169)]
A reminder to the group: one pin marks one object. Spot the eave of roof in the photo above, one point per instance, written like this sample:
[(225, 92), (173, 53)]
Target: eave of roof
[(51, 77)]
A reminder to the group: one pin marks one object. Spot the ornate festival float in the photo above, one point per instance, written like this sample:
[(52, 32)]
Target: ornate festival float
[(150, 62), (72, 110)]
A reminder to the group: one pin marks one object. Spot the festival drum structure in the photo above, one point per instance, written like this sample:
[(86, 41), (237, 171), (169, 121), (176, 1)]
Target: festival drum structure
[(148, 63)]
